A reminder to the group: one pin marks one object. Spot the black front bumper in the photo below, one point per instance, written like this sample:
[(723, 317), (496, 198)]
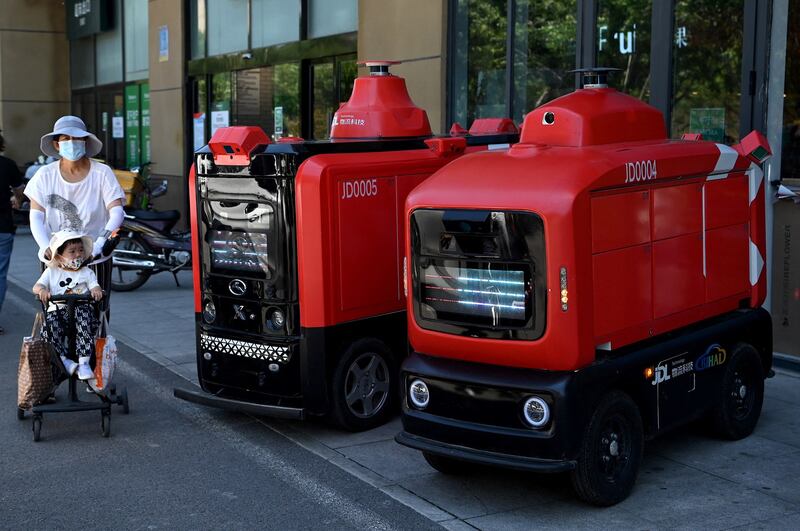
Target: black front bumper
[(475, 414), (205, 399)]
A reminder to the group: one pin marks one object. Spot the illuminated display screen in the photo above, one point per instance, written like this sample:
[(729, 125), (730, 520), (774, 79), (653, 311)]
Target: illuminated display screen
[(239, 251), (494, 295)]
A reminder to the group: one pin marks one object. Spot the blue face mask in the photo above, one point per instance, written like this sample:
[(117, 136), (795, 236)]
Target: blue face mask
[(72, 149)]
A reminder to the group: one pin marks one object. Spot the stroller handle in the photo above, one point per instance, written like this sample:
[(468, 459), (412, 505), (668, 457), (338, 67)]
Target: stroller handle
[(77, 297)]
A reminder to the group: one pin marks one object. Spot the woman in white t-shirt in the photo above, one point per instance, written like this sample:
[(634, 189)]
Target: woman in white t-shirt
[(75, 193)]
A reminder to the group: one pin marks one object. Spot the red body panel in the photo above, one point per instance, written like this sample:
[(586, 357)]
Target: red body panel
[(654, 234), (349, 206)]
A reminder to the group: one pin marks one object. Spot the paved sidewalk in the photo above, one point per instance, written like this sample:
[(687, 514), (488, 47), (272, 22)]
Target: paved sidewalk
[(687, 479)]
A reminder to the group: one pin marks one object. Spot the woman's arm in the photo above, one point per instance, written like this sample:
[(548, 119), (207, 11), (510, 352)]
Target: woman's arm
[(115, 216), (39, 228)]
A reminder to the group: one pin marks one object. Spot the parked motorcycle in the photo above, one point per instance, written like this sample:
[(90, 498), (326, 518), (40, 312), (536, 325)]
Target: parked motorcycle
[(148, 245)]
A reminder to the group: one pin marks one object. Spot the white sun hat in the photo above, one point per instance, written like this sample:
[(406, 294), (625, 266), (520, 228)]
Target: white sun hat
[(58, 239), (72, 126)]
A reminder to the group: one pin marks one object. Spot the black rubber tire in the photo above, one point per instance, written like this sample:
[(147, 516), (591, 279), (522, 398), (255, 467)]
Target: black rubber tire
[(606, 472), (736, 416), (446, 465), (126, 407), (105, 423), (378, 402), (20, 414), (126, 242), (37, 428)]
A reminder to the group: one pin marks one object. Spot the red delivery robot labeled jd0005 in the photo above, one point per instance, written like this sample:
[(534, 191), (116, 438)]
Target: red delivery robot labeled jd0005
[(298, 283), (593, 286)]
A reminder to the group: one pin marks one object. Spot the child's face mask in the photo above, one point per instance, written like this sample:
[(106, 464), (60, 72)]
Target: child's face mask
[(74, 263)]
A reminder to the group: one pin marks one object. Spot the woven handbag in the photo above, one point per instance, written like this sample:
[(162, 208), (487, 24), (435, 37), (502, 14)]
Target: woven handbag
[(35, 372)]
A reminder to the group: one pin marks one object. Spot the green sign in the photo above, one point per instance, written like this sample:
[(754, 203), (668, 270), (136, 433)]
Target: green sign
[(709, 122), (132, 125), (145, 123), (87, 17)]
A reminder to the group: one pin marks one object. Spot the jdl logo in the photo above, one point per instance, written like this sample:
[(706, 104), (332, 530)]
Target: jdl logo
[(661, 375), (362, 188), (642, 170)]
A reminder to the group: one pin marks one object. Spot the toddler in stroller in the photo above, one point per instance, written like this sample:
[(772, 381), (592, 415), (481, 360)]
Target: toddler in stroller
[(67, 272)]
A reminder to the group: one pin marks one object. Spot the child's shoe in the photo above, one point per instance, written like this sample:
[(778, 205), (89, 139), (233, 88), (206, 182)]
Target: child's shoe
[(84, 370), (70, 365)]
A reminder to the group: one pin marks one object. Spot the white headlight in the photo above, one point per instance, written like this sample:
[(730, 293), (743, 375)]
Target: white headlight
[(536, 412), (276, 319), (418, 394)]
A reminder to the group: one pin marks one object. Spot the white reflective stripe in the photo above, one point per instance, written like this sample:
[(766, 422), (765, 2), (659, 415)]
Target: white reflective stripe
[(703, 230), (725, 162), (756, 263), (492, 147), (756, 177)]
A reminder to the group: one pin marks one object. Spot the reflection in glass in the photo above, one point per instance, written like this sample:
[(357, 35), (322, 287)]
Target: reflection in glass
[(479, 68), (269, 97), (790, 154), (275, 22), (623, 41), (323, 99), (197, 28), (330, 18), (81, 61), (136, 65), (706, 93), (348, 72), (109, 50), (544, 50), (226, 31)]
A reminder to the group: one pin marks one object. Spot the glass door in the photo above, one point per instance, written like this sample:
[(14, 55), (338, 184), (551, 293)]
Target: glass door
[(331, 84), (707, 69), (111, 107)]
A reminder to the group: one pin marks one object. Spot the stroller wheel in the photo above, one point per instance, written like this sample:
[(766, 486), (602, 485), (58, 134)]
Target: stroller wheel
[(105, 423), (123, 400), (37, 428), (20, 413)]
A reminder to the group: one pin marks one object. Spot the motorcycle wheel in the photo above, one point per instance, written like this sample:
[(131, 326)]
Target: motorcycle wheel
[(129, 279)]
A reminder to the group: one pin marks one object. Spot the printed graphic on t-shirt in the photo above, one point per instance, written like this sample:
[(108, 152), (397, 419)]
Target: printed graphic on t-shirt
[(71, 218)]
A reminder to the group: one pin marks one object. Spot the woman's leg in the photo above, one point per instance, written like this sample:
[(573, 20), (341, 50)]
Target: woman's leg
[(6, 245)]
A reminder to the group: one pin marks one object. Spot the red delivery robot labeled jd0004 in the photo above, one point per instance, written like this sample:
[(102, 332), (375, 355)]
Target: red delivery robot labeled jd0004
[(593, 286), (298, 283)]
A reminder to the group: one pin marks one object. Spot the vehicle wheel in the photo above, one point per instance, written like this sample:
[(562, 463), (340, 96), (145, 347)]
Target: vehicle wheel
[(445, 465), (20, 413), (610, 452), (364, 385), (123, 397), (739, 408), (129, 279), (37, 428), (105, 423)]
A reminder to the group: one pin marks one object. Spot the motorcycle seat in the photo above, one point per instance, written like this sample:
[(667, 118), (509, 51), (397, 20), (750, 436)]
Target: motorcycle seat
[(154, 215)]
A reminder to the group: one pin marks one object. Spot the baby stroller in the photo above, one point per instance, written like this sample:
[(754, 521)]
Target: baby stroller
[(107, 398)]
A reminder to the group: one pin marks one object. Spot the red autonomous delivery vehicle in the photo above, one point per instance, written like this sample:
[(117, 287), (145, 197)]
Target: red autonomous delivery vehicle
[(593, 286), (298, 279)]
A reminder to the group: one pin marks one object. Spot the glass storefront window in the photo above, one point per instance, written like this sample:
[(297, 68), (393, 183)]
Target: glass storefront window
[(226, 30), (348, 72), (81, 60), (269, 97), (197, 28), (790, 152), (479, 68), (275, 21), (706, 93), (136, 25), (220, 101), (331, 18), (109, 50), (623, 41), (322, 99), (544, 51)]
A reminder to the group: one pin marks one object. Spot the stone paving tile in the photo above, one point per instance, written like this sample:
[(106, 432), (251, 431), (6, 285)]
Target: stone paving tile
[(387, 458), (335, 438)]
